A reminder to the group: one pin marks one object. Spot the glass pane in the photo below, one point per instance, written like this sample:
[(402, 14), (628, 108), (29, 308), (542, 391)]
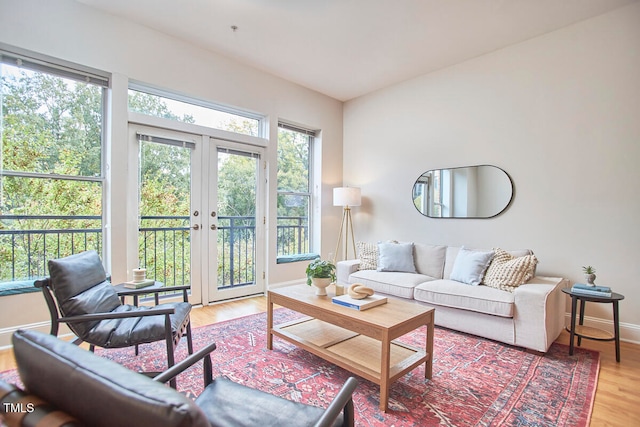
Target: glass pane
[(168, 108), (293, 161), (44, 219), (237, 180), (165, 204), (50, 124), (293, 224)]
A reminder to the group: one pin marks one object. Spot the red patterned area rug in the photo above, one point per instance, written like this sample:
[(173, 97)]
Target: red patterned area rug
[(476, 382)]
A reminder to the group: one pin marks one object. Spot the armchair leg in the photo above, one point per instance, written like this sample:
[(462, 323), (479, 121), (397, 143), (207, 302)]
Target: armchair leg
[(189, 339), (170, 348)]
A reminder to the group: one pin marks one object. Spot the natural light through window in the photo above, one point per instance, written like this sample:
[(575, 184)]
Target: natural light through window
[(186, 112)]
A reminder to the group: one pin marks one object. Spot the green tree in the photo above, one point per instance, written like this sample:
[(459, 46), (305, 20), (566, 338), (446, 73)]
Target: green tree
[(50, 125)]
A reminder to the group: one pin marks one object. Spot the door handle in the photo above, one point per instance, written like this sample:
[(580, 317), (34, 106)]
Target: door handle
[(213, 227), (196, 227)]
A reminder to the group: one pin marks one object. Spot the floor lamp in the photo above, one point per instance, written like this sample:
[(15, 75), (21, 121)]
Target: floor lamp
[(346, 197)]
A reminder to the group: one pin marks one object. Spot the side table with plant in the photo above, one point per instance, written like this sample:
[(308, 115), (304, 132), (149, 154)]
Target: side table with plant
[(321, 273)]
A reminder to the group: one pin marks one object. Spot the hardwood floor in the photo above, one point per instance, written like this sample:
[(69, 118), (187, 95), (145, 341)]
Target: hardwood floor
[(617, 401)]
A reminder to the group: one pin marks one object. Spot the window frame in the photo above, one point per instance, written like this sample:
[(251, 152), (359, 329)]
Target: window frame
[(312, 138), (39, 63), (163, 93)]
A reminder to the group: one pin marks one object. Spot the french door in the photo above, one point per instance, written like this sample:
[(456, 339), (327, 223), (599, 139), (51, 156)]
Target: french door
[(198, 207), (236, 262)]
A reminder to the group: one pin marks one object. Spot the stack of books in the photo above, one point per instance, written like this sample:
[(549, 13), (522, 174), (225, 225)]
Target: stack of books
[(596, 291), (139, 284)]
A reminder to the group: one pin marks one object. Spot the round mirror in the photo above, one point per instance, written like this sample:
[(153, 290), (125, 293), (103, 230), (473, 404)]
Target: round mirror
[(482, 191)]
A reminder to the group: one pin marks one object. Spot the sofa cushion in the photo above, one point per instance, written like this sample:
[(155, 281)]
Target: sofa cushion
[(392, 283), (451, 293), (396, 257), (470, 266), (429, 259), (368, 255), (507, 272)]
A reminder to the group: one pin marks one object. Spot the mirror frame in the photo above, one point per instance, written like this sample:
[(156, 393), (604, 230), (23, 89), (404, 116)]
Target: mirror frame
[(507, 205)]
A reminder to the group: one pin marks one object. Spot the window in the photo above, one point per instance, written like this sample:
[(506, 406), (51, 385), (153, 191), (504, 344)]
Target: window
[(294, 191), (51, 165), (170, 106)]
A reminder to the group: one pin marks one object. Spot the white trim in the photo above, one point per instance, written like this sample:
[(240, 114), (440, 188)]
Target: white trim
[(6, 333), (159, 122), (289, 283)]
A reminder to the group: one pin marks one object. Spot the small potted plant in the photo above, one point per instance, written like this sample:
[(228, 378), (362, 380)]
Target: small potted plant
[(589, 274), (321, 273)]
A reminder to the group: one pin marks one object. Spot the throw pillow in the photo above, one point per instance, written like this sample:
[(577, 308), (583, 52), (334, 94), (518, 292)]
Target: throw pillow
[(368, 255), (507, 272), (470, 266), (396, 257)]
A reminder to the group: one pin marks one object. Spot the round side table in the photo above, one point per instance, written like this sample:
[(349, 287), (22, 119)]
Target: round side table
[(587, 332)]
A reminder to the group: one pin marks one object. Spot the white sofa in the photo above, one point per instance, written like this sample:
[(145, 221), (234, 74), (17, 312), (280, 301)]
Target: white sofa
[(532, 316)]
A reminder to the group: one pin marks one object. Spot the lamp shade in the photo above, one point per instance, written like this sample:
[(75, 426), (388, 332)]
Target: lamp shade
[(346, 196)]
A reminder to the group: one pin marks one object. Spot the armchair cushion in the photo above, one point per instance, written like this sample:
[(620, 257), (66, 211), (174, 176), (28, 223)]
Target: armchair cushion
[(228, 404), (114, 333), (80, 285), (111, 395), (75, 274)]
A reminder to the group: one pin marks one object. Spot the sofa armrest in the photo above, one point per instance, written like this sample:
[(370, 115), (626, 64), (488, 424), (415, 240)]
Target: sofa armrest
[(344, 269), (539, 312)]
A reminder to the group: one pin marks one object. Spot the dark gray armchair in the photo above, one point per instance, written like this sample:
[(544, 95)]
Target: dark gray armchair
[(78, 294), (84, 389)]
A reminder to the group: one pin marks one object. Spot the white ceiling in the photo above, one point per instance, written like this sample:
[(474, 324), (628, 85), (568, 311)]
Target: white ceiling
[(347, 48)]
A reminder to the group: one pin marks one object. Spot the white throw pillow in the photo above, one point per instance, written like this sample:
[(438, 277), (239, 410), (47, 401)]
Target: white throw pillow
[(396, 257), (470, 266)]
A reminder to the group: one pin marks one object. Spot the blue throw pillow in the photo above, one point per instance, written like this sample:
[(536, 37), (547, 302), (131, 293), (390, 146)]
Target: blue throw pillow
[(470, 266), (396, 257)]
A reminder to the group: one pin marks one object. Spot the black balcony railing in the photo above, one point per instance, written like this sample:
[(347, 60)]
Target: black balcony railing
[(292, 235), (27, 242)]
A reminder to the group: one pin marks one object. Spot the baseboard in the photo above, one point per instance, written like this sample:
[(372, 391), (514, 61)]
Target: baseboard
[(44, 327), (289, 283), (628, 331), (6, 333)]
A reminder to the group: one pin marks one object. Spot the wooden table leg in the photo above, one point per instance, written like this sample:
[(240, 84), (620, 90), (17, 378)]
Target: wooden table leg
[(428, 366), (269, 322), (384, 373)]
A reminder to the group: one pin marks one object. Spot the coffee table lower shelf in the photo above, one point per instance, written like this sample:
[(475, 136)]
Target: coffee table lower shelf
[(354, 352)]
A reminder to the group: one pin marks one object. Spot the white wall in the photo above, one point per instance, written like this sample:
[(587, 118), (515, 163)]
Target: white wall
[(73, 32), (560, 113)]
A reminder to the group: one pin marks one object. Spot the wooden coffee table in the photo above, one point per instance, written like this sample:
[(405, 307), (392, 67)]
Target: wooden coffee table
[(358, 341)]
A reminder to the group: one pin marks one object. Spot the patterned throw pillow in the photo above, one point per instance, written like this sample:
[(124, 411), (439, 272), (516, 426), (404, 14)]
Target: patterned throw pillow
[(507, 272), (368, 255)]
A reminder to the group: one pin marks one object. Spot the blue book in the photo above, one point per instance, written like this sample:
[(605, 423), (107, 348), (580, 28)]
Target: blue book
[(597, 288), (591, 293)]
